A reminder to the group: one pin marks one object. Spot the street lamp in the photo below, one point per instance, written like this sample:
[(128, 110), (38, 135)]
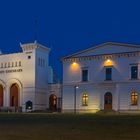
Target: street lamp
[(75, 88)]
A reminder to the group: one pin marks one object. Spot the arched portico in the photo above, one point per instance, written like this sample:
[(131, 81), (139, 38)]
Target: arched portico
[(1, 95), (14, 96)]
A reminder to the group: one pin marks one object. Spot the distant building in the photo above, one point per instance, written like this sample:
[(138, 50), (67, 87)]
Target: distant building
[(105, 77), (26, 80)]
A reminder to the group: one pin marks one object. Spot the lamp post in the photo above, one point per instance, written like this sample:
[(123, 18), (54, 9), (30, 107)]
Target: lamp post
[(75, 89)]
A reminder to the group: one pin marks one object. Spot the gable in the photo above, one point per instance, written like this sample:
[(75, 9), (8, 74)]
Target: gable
[(107, 48)]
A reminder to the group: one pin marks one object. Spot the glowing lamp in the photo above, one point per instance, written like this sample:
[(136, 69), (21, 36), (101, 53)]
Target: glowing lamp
[(74, 67), (108, 62)]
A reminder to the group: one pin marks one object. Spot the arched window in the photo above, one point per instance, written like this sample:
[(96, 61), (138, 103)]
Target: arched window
[(85, 99), (134, 98)]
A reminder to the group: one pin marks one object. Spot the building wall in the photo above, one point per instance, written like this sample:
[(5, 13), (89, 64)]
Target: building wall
[(55, 89), (121, 86), (29, 70)]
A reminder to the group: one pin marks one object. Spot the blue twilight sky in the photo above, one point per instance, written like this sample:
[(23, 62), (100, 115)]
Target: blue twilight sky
[(67, 26)]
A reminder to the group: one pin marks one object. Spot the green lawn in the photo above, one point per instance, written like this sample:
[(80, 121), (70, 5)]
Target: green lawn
[(69, 127)]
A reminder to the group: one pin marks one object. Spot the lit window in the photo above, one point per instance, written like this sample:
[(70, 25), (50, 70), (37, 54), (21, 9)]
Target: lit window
[(134, 98), (108, 73), (85, 99), (134, 72), (84, 75)]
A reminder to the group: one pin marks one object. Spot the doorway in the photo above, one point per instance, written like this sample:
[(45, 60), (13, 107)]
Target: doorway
[(108, 101), (53, 102), (14, 95), (1, 95)]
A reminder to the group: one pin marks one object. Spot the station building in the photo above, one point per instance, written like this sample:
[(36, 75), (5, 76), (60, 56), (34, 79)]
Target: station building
[(26, 80), (104, 77)]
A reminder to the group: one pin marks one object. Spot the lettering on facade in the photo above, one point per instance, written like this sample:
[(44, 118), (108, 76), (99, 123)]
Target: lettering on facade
[(10, 71)]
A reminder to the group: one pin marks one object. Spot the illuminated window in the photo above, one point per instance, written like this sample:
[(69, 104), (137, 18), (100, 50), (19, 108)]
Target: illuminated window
[(134, 98), (84, 75), (134, 72), (85, 99)]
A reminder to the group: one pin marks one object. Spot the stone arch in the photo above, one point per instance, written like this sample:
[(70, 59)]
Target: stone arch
[(14, 85), (14, 95), (53, 102), (1, 95), (2, 92)]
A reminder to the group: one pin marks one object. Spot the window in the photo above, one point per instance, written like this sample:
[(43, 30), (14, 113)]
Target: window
[(5, 65), (108, 73), (8, 64), (1, 65), (134, 72), (39, 61), (43, 63), (84, 75), (19, 63), (29, 57), (15, 64), (85, 99), (12, 64), (134, 98)]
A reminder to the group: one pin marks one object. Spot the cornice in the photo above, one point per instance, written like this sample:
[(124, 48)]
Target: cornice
[(102, 56)]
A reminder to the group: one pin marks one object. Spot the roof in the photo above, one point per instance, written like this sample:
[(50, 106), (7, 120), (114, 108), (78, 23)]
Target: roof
[(102, 45)]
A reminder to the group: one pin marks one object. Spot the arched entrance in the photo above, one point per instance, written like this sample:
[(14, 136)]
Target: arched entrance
[(1, 95), (108, 101), (53, 102), (14, 95)]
